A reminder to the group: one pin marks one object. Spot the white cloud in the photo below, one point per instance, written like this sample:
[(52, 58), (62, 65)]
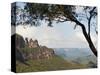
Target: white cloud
[(55, 37)]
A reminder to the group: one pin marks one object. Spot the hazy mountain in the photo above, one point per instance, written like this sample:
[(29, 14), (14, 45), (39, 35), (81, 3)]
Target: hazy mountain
[(76, 55)]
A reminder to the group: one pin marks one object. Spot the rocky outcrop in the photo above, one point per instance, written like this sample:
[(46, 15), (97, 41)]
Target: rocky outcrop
[(46, 52), (31, 43), (41, 53), (19, 41), (35, 50)]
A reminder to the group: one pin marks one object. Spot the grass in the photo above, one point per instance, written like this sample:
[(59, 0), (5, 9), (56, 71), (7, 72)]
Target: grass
[(55, 63)]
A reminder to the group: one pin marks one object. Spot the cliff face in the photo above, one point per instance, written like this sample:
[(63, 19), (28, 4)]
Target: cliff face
[(31, 43), (19, 41), (46, 52), (30, 49), (39, 53)]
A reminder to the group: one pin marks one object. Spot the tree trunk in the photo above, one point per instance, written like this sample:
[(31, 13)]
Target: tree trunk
[(88, 38)]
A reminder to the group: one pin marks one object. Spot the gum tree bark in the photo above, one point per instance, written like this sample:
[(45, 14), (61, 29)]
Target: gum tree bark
[(88, 38)]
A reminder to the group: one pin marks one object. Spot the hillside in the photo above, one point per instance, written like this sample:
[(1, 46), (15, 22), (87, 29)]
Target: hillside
[(32, 57), (56, 63)]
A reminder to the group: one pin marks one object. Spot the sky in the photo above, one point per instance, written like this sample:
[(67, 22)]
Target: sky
[(61, 35)]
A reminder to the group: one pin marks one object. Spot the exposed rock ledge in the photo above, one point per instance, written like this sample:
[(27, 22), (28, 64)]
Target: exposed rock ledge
[(31, 49)]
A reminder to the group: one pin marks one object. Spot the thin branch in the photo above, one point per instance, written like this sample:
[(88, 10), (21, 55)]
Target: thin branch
[(86, 15), (89, 20)]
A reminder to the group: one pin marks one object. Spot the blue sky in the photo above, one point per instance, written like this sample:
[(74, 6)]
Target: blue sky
[(62, 35)]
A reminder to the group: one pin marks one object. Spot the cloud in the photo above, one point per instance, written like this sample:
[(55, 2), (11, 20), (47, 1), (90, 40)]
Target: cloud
[(60, 36), (82, 39)]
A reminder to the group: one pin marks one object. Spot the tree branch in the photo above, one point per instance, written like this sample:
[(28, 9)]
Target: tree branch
[(91, 45), (89, 20)]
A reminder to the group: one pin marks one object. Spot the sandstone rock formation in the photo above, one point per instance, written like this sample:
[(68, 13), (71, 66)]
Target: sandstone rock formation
[(33, 49), (46, 52), (20, 43), (31, 43), (41, 53)]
